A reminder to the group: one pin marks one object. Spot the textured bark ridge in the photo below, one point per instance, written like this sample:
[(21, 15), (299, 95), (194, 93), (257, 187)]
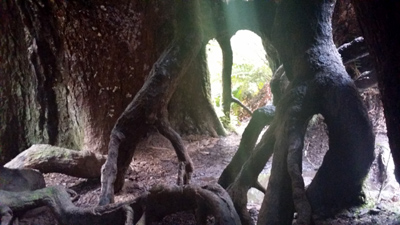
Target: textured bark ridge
[(318, 84), (161, 201)]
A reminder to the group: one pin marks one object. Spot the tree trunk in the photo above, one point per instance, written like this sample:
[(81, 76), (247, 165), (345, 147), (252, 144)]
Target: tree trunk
[(70, 68), (318, 84), (379, 22), (190, 109), (227, 59)]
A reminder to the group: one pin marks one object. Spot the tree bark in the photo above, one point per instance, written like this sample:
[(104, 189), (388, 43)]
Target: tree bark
[(69, 69), (379, 21), (190, 108), (318, 84)]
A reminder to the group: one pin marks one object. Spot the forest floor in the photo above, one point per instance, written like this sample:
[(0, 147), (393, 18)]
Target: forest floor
[(155, 162)]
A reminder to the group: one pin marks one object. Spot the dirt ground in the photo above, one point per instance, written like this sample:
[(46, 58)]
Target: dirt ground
[(155, 162)]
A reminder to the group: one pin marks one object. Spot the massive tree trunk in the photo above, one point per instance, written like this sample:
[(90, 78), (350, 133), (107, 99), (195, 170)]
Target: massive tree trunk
[(319, 83), (379, 22), (70, 68)]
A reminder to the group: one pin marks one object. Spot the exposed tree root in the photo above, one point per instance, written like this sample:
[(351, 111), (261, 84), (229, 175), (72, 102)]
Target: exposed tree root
[(208, 200), (249, 173), (261, 117), (186, 165), (158, 203), (52, 159)]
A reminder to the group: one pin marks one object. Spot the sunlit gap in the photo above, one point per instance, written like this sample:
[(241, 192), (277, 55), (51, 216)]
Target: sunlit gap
[(250, 71)]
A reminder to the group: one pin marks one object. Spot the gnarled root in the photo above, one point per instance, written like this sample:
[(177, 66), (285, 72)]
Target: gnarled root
[(261, 117), (208, 200), (185, 167), (249, 173)]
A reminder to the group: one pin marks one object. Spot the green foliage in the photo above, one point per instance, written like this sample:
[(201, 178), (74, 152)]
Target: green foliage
[(247, 81)]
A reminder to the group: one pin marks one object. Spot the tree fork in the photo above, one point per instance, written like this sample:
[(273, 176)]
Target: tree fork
[(152, 99)]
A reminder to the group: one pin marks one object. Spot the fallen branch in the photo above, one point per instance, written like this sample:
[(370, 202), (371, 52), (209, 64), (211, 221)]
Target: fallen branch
[(237, 101), (52, 159)]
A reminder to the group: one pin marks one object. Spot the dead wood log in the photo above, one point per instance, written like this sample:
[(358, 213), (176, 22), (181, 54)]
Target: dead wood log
[(50, 159), (249, 172), (20, 179)]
